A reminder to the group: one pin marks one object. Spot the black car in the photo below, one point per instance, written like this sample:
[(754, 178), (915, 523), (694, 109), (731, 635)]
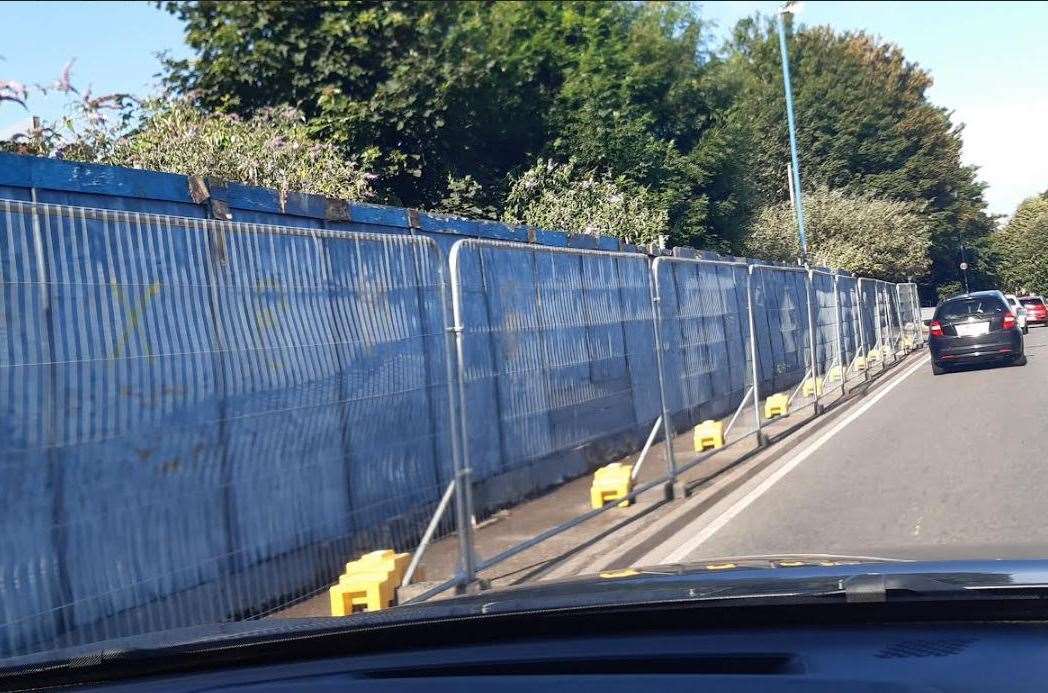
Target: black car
[(974, 328)]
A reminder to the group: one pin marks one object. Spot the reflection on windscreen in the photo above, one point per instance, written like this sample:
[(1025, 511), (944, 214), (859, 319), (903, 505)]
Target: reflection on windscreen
[(958, 310)]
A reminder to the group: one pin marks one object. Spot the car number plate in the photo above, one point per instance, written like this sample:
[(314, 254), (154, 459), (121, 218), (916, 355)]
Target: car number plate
[(972, 329)]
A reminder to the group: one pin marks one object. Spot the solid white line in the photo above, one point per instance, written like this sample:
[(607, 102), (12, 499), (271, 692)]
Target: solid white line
[(712, 528)]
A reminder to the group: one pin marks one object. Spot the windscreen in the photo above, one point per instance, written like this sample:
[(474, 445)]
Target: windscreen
[(371, 302), (960, 309)]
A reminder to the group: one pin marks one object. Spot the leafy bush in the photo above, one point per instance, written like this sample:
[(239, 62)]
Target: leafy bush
[(271, 149), (560, 196), (466, 197), (862, 234), (1018, 246)]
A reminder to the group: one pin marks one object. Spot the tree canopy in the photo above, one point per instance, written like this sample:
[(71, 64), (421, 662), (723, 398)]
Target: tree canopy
[(441, 91), (573, 114), (1019, 247), (864, 126), (869, 236)]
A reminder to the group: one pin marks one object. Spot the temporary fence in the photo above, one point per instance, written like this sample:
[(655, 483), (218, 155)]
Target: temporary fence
[(910, 313), (702, 314), (204, 420), (558, 365)]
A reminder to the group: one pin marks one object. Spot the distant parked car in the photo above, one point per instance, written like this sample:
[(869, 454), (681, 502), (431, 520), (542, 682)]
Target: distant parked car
[(1036, 311), (1020, 312), (974, 328)]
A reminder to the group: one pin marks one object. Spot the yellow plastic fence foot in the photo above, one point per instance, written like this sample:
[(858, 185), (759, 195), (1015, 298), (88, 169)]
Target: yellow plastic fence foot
[(369, 583), (812, 386), (709, 435), (611, 482), (835, 374), (860, 363), (777, 405)]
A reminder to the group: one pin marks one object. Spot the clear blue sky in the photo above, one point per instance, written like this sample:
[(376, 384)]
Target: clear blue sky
[(989, 61)]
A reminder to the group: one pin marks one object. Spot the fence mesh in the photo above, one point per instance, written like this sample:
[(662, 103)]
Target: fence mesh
[(203, 421), (560, 361), (910, 313), (704, 328), (780, 305)]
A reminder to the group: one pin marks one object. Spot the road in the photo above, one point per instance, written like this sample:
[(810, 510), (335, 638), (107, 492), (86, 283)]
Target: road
[(927, 466)]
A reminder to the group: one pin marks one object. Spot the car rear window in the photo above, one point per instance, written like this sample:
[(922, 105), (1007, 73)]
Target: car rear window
[(1032, 301), (961, 308)]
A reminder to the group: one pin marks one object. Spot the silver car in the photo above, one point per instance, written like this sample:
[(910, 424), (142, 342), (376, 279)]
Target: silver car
[(1020, 312)]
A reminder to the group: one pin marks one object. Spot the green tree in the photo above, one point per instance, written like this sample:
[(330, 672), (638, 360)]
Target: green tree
[(870, 236), (442, 91), (864, 125), (1019, 247)]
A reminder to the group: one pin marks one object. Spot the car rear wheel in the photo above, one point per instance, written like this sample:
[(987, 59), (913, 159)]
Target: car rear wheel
[(937, 369), (1020, 360)]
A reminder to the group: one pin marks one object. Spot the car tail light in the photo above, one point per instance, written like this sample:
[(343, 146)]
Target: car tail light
[(935, 328), (1008, 322)]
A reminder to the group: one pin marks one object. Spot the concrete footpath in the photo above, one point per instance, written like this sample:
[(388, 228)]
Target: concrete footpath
[(617, 537)]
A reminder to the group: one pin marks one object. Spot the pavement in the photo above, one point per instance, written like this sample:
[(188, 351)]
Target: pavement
[(936, 467)]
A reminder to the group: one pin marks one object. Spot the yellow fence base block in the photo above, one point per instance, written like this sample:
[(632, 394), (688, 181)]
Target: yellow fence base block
[(907, 343), (369, 583), (777, 405), (874, 356), (611, 482), (835, 374), (388, 560), (812, 386), (860, 363), (369, 591), (709, 435)]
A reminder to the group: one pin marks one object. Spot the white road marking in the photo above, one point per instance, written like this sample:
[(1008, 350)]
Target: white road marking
[(682, 551)]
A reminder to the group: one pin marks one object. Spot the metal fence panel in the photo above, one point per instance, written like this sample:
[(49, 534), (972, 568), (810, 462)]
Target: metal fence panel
[(853, 335), (910, 312), (560, 364), (780, 307), (204, 420), (704, 329)]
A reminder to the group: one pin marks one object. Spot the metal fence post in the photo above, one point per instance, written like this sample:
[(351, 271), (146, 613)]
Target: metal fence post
[(463, 483), (918, 317), (842, 357), (860, 319), (809, 287), (667, 427), (878, 329), (753, 357), (898, 313)]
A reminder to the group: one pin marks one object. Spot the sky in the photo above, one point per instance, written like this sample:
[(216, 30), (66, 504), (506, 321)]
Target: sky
[(988, 61)]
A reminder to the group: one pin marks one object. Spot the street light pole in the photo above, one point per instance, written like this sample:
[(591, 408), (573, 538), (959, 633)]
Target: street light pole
[(964, 269), (795, 184)]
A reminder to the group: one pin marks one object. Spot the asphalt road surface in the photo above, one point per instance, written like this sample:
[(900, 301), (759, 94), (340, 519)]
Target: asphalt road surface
[(937, 467)]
